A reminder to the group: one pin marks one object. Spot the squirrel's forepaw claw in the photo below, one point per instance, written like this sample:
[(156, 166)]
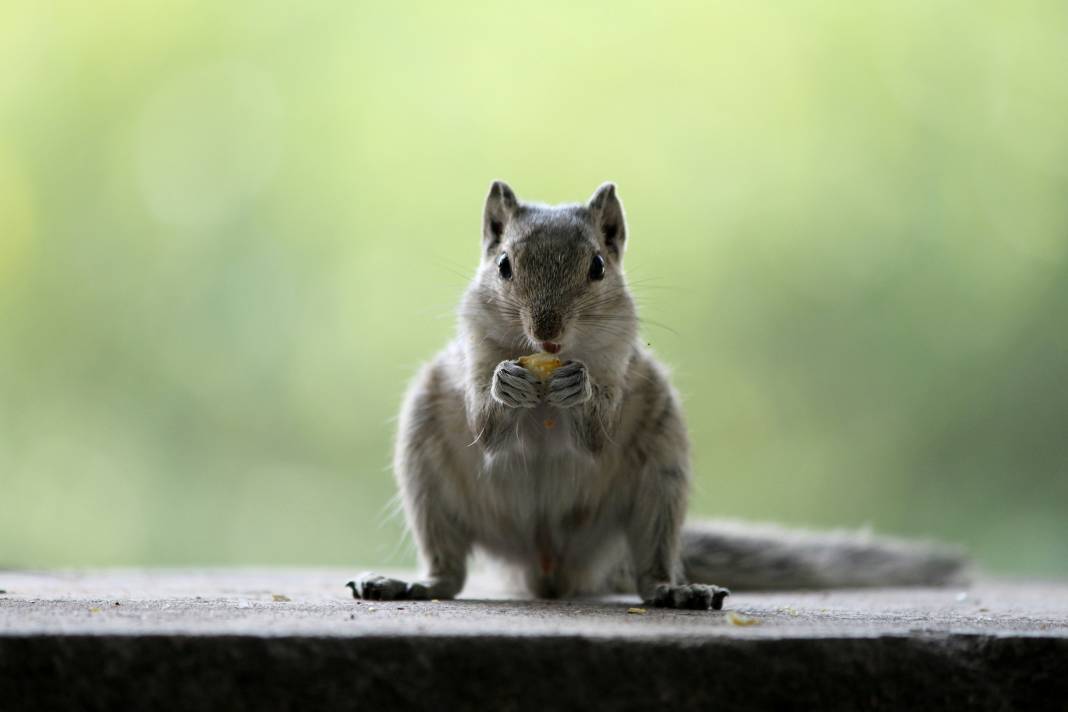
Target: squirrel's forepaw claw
[(569, 386), (514, 386)]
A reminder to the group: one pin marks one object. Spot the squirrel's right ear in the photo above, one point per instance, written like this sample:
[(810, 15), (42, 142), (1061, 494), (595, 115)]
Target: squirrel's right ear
[(500, 206), (607, 214)]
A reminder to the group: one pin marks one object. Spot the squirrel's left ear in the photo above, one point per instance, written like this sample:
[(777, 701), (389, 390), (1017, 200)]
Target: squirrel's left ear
[(501, 205), (608, 219)]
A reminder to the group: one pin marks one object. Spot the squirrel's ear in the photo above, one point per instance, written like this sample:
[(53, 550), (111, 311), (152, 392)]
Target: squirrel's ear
[(608, 219), (500, 206)]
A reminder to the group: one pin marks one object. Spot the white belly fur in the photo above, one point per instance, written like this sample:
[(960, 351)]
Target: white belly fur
[(539, 506)]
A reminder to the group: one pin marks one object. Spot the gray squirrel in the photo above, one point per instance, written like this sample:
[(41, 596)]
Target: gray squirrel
[(580, 482)]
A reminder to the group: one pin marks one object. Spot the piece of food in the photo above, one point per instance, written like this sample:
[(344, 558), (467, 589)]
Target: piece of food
[(636, 611), (741, 619), (541, 365)]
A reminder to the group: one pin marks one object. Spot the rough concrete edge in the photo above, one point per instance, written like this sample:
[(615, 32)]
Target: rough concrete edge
[(932, 671)]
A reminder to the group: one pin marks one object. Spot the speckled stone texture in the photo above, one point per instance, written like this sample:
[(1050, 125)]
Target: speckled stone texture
[(268, 640)]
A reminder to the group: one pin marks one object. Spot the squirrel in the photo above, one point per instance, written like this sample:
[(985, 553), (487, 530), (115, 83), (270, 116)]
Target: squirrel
[(581, 482)]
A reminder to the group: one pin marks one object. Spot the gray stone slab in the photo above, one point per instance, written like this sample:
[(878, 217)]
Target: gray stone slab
[(296, 639)]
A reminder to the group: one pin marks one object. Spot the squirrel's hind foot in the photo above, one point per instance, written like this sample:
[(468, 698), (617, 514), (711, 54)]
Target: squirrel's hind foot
[(691, 596), (373, 587)]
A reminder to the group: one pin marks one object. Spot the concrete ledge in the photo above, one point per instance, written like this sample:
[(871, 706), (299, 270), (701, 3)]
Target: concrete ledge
[(296, 640)]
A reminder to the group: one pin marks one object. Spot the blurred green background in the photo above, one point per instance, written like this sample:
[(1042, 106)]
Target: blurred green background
[(229, 233)]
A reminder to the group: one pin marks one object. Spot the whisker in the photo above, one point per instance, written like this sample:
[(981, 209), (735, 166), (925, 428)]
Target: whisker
[(658, 324)]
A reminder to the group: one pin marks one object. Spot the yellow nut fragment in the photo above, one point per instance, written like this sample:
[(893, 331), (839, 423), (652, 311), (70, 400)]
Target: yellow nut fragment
[(741, 619), (541, 365)]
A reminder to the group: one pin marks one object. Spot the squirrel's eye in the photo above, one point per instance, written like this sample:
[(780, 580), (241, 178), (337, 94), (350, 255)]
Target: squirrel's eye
[(597, 267), (504, 267)]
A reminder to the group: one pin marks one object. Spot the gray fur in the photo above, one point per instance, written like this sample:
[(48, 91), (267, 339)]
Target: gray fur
[(603, 493)]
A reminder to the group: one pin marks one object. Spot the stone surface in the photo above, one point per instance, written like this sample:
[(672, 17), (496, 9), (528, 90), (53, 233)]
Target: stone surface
[(298, 640)]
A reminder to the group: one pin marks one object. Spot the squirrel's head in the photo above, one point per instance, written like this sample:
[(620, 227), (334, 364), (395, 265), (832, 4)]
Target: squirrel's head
[(552, 276)]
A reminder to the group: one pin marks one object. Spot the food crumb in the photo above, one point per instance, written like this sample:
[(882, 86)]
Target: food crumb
[(637, 611), (94, 610), (735, 618), (541, 364), (278, 597), (372, 609), (434, 600)]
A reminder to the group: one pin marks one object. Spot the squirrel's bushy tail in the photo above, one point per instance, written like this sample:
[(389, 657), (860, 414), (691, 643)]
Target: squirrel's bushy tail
[(744, 556)]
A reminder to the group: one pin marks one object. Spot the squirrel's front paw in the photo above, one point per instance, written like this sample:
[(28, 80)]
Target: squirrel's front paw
[(514, 386), (569, 385)]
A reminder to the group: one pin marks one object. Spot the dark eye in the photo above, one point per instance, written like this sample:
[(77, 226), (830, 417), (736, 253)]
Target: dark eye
[(504, 267), (597, 267)]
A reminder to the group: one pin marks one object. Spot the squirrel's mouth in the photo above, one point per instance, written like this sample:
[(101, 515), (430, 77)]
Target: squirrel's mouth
[(550, 347)]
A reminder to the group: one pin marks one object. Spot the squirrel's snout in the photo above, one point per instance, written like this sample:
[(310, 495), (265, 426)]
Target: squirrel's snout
[(546, 327)]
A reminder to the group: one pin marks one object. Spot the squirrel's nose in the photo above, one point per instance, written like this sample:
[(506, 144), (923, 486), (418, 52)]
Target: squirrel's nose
[(547, 327)]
